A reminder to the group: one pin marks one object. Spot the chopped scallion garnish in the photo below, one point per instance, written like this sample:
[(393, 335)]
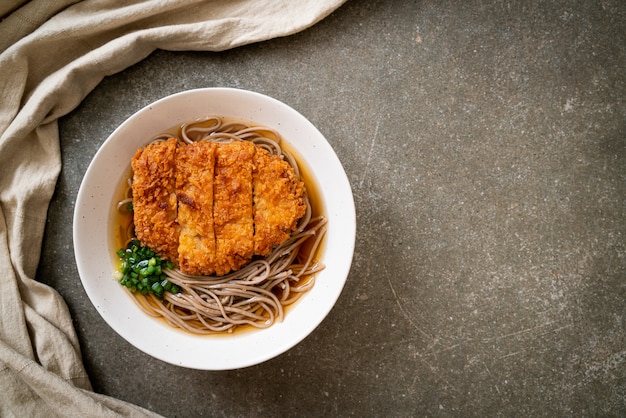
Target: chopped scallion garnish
[(141, 270)]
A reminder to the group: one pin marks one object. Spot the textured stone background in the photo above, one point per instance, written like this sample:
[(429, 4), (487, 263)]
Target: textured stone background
[(485, 142)]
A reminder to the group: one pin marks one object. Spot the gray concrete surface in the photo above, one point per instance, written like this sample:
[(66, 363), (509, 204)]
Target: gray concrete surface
[(485, 144)]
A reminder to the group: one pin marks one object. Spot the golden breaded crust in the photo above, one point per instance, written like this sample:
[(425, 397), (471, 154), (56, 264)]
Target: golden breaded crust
[(232, 205), (210, 207), (194, 190), (154, 198), (278, 201)]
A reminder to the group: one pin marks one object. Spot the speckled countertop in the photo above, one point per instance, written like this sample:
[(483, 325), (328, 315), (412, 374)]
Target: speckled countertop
[(485, 142)]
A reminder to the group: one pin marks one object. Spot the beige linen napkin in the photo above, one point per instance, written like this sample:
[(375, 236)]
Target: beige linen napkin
[(52, 54)]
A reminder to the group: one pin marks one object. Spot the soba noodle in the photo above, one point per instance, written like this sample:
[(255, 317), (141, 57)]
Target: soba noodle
[(257, 294)]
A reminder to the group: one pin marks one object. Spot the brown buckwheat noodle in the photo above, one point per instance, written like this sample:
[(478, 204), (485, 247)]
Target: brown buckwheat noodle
[(257, 294)]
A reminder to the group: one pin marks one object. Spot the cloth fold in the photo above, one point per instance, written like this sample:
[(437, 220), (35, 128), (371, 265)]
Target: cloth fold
[(52, 54)]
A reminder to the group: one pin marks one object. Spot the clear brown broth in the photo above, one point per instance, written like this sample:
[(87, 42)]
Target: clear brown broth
[(122, 220)]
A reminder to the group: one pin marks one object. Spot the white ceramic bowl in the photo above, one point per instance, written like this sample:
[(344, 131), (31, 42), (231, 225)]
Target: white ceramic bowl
[(93, 217)]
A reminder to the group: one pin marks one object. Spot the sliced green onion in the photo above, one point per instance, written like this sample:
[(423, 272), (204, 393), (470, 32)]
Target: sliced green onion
[(141, 270)]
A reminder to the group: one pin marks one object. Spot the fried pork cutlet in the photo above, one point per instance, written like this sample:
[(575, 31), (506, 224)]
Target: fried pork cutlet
[(194, 190), (154, 198), (278, 201), (210, 207), (232, 205)]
